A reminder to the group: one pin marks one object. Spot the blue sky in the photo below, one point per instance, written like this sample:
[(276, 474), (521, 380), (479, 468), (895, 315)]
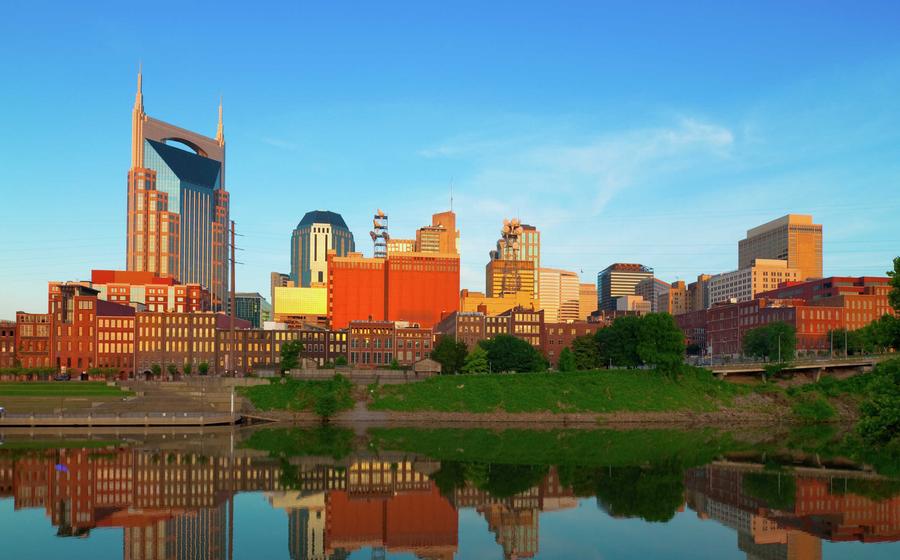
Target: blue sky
[(654, 132)]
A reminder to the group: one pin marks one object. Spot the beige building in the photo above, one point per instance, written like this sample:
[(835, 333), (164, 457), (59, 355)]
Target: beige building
[(559, 295), (587, 300), (471, 302), (745, 283), (698, 293), (400, 246), (633, 303), (793, 238), (676, 300), (441, 236), (506, 277)]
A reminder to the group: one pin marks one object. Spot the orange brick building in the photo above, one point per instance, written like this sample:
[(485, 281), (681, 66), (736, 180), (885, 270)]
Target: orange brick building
[(356, 289), (7, 344), (153, 292), (33, 339)]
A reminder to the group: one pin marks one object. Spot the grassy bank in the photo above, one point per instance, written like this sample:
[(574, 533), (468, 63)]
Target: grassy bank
[(297, 395), (594, 391), (60, 389)]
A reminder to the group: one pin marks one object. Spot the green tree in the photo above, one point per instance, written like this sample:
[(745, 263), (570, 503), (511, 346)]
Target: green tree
[(290, 355), (203, 368), (476, 361), (173, 370), (586, 353), (340, 361), (509, 353), (879, 422), (156, 370), (894, 295), (187, 368), (775, 342), (450, 353), (395, 365), (661, 342), (618, 343), (566, 360), (326, 406)]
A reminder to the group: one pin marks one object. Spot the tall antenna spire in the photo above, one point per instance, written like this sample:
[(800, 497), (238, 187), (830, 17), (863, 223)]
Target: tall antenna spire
[(451, 194), (139, 96), (220, 131)]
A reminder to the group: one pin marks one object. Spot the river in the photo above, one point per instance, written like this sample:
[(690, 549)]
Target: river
[(335, 493)]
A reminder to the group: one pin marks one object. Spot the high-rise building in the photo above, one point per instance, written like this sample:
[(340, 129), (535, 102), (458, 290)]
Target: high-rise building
[(559, 295), (744, 284), (317, 233), (440, 237), (530, 250), (793, 238), (698, 293), (619, 279), (587, 300), (253, 307), (651, 289), (178, 208), (675, 301), (509, 277)]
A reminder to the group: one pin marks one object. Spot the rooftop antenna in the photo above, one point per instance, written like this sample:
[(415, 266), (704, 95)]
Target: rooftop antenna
[(451, 194)]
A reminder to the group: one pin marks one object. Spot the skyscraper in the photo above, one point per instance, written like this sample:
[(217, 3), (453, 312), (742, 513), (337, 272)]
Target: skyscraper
[(619, 279), (178, 208), (317, 233), (559, 293), (793, 238)]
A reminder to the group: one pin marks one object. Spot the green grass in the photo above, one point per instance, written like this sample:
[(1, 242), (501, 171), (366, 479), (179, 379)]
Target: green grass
[(60, 389), (297, 395), (594, 391), (813, 409)]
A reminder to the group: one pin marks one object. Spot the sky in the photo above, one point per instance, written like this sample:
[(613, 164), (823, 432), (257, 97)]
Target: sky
[(650, 132)]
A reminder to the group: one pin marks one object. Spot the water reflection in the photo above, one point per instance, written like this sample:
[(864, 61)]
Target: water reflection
[(173, 503)]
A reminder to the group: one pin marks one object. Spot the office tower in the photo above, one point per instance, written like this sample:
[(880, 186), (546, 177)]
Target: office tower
[(587, 300), (698, 293), (440, 237), (531, 251), (559, 295), (509, 278), (743, 285), (793, 238), (513, 265), (619, 279), (651, 289), (317, 233), (178, 208), (675, 301), (253, 307)]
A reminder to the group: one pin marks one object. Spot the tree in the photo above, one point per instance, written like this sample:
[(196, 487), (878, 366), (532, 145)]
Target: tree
[(203, 368), (395, 365), (894, 295), (585, 352), (326, 406), (566, 360), (187, 368), (774, 342), (879, 422), (618, 343), (476, 361), (156, 370), (509, 353), (661, 342), (290, 355), (172, 369), (450, 353), (340, 361)]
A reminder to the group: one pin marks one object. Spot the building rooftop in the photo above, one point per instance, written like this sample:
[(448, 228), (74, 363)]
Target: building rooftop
[(790, 219), (322, 217)]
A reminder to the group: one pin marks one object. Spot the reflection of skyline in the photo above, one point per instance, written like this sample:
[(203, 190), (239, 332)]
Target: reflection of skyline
[(179, 505), (789, 516)]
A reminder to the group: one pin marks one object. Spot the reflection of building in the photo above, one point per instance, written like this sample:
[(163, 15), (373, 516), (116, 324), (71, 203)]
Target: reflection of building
[(793, 238)]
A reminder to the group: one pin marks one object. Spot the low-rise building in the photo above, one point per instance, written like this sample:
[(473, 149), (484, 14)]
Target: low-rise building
[(33, 339), (374, 344), (252, 307), (146, 291), (634, 304), (260, 349), (7, 344), (556, 336)]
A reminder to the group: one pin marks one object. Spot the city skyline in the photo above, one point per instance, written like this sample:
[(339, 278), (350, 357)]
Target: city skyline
[(587, 129)]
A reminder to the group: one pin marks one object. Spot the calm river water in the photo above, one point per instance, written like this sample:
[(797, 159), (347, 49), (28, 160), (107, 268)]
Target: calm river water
[(443, 494)]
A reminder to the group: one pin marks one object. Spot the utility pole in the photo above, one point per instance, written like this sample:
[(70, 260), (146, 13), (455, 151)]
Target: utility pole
[(233, 309)]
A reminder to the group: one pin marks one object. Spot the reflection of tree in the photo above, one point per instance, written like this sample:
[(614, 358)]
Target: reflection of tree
[(652, 493), (451, 476), (776, 490), (324, 441), (500, 481)]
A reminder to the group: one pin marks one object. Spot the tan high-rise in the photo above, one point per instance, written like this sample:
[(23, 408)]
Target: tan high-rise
[(587, 300), (178, 208), (559, 295), (793, 238)]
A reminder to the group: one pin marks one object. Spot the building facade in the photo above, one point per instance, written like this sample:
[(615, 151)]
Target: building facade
[(652, 289), (676, 300), (319, 232), (7, 344), (619, 279), (146, 291), (556, 336), (33, 339), (258, 349), (374, 344), (559, 294), (793, 238), (509, 277), (252, 307), (587, 300), (745, 284), (698, 293), (178, 207)]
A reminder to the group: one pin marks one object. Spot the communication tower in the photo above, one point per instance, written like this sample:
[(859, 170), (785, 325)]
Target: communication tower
[(379, 234)]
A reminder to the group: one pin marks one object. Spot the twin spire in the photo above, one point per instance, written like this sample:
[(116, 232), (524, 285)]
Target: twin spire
[(139, 104)]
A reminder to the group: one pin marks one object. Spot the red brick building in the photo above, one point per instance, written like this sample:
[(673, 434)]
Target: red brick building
[(377, 343), (556, 336), (33, 339), (261, 349), (356, 289), (468, 327), (150, 292), (180, 338), (473, 327), (693, 325), (7, 344)]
